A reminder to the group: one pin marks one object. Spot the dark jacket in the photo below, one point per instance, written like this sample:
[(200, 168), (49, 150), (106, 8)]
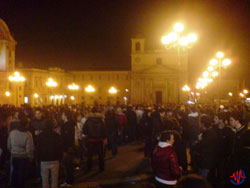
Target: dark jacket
[(68, 135), (206, 149), (165, 163), (49, 146), (194, 126), (239, 144), (147, 126), (94, 127), (157, 123), (111, 123)]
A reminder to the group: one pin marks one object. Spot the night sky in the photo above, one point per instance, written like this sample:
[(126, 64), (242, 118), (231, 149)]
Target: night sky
[(92, 34)]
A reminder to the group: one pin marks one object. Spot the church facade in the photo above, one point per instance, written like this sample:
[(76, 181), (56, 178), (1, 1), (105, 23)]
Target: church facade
[(156, 77)]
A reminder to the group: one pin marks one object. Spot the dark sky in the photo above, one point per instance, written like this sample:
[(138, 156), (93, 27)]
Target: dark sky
[(92, 33)]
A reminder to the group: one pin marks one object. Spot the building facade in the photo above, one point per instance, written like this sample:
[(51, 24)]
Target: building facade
[(154, 78)]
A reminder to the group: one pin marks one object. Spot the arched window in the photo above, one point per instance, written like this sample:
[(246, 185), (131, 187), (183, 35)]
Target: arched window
[(137, 46)]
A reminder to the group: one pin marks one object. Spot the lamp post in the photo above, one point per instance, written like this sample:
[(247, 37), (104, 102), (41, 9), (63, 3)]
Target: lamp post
[(219, 63), (73, 87), (175, 40), (51, 84), (186, 89), (113, 91), (16, 78)]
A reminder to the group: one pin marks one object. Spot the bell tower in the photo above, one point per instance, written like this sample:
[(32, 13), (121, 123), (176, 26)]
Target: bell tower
[(137, 45)]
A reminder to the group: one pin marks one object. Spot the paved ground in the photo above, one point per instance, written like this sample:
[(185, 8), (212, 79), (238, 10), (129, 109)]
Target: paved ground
[(128, 167)]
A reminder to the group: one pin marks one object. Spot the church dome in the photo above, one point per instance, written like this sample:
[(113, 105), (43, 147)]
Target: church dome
[(4, 32)]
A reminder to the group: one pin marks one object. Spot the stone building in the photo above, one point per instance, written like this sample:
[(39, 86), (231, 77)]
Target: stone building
[(154, 78)]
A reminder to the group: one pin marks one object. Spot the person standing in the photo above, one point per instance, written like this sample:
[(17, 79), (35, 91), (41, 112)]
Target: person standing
[(21, 147), (165, 162), (94, 129), (68, 136), (111, 123), (49, 152)]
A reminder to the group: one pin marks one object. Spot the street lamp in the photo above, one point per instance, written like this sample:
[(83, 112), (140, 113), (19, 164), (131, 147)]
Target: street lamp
[(7, 93), (17, 78), (112, 90), (73, 87), (51, 84), (245, 91), (230, 94), (242, 95), (175, 40), (90, 89)]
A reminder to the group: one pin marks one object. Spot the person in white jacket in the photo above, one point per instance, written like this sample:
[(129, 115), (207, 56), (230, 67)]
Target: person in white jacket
[(21, 147)]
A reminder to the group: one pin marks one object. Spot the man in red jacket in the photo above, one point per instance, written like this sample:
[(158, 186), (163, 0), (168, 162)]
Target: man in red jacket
[(164, 161)]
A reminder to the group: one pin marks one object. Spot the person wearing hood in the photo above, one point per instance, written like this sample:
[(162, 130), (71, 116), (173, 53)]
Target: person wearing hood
[(164, 161), (21, 147), (95, 131)]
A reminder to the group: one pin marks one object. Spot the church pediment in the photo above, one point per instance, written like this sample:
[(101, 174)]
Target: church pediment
[(158, 69)]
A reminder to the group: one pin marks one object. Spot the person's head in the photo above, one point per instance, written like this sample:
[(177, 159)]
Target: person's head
[(66, 116), (206, 121), (49, 124), (167, 136), (220, 118), (23, 120), (169, 113), (235, 120), (38, 114), (94, 109), (192, 181), (79, 117), (6, 117), (162, 112)]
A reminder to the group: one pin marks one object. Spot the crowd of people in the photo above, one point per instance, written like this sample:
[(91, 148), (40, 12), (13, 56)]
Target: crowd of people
[(209, 140)]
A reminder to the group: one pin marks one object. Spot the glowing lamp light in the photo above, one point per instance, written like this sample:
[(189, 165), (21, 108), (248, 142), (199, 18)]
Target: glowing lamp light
[(73, 87), (186, 88), (215, 73), (126, 90), (52, 97), (16, 77), (197, 94), (112, 90), (36, 95), (220, 55), (192, 37), (213, 62), (205, 74), (166, 40), (51, 83), (245, 91), (241, 95), (173, 36), (90, 89), (183, 41), (72, 98), (7, 93), (230, 94), (179, 27), (226, 62), (210, 68)]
